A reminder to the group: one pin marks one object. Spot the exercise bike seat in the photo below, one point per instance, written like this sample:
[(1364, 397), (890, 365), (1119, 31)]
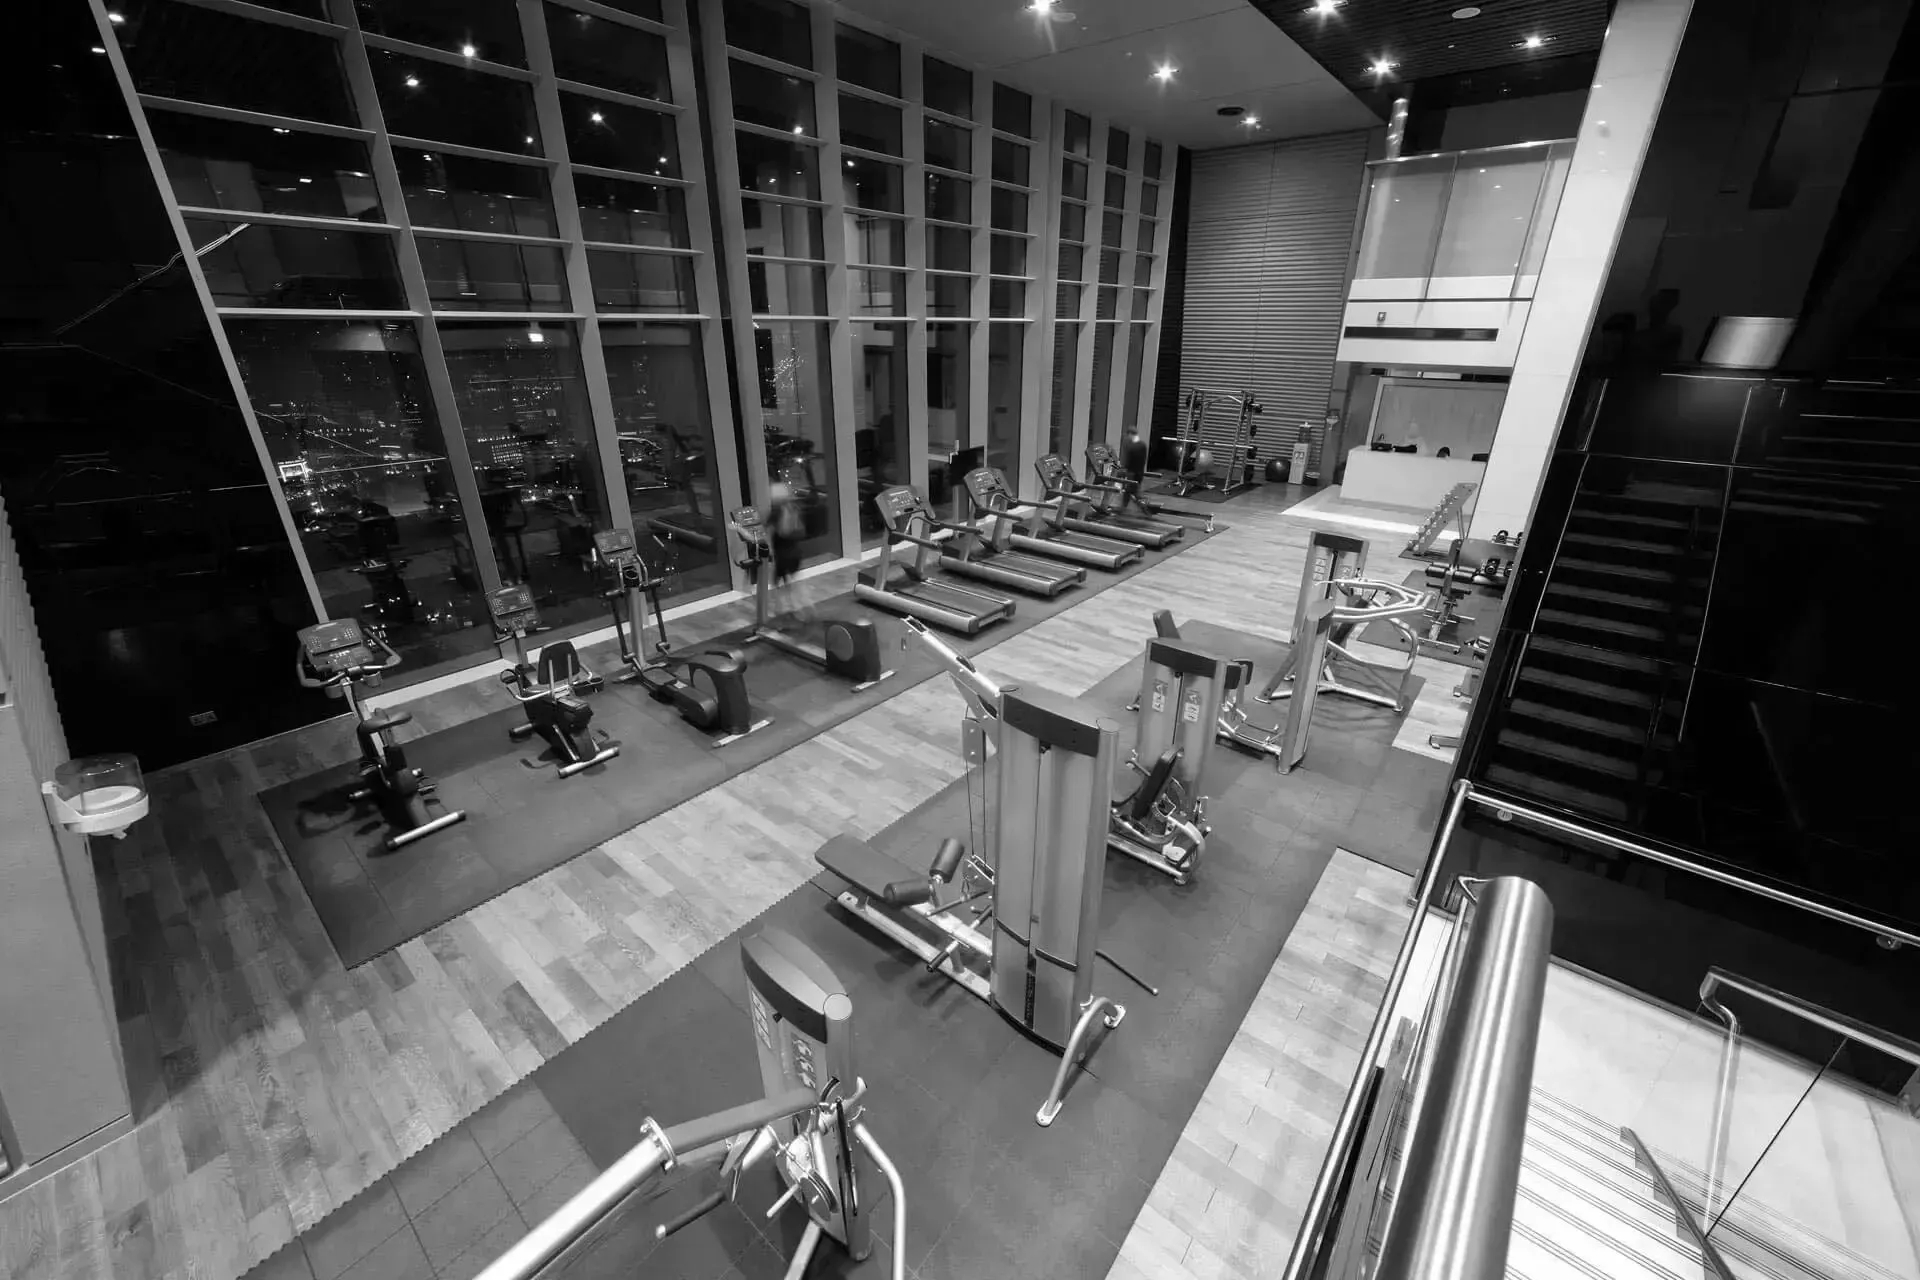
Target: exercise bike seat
[(381, 721), (559, 664), (1139, 805)]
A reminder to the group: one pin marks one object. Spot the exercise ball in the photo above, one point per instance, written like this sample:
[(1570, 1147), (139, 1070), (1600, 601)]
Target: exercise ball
[(1203, 460), (1277, 470)]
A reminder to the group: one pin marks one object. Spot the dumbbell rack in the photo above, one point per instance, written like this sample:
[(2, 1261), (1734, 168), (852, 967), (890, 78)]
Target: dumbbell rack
[(1452, 507)]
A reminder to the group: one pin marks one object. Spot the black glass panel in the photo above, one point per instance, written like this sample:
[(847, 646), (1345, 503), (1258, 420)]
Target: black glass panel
[(1010, 161), (1006, 298), (491, 275), (873, 184), (1149, 198), (949, 249), (948, 198), (641, 281), (387, 543), (1077, 140), (947, 88), (1100, 383), (474, 195), (880, 242), (1066, 301), (1073, 179), (1109, 266), (631, 212), (948, 387), (612, 135), (1151, 165), (423, 99), (1007, 255), (1142, 271), (1144, 238), (783, 230), (274, 266), (222, 164), (880, 293), (1065, 385), (1141, 300), (1118, 148), (1116, 190), (1073, 221), (1111, 226), (870, 125), (1073, 262), (797, 417), (772, 28), (609, 55), (1006, 358), (949, 145), (1012, 111), (881, 436), (204, 55), (1106, 303), (658, 383), (778, 168), (1008, 209), (638, 8), (868, 60), (786, 288), (488, 29), (949, 295), (772, 98)]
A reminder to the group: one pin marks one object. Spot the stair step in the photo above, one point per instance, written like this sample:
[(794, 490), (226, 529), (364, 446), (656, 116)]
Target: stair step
[(1618, 570), (1533, 710), (1533, 786), (1627, 517), (1853, 440), (1565, 648), (1597, 762), (1625, 599), (1624, 544), (1587, 621), (1777, 508), (1606, 1247), (1530, 674)]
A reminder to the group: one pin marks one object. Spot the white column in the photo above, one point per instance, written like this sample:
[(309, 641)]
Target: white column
[(1628, 85)]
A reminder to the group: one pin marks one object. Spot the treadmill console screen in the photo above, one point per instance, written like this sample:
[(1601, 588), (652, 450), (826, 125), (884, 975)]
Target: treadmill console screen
[(1100, 455), (512, 608), (746, 519), (333, 647), (898, 505), (1053, 471), (986, 484)]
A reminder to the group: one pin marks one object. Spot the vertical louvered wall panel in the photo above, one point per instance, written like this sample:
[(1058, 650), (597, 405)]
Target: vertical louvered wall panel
[(1267, 246)]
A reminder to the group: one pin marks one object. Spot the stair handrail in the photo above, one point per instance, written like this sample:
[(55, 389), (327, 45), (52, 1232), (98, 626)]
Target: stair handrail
[(1866, 1033)]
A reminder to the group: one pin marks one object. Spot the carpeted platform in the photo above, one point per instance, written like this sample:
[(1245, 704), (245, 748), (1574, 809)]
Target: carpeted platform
[(524, 820), (953, 1086), (1481, 604)]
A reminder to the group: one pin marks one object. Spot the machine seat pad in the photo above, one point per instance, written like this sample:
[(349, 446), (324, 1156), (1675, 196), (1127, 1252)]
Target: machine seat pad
[(381, 721), (865, 867)]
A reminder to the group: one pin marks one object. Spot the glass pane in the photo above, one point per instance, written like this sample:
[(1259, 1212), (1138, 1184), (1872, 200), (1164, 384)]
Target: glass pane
[(1132, 412), (529, 432), (881, 242), (772, 99), (949, 198), (870, 125), (1078, 138), (778, 168), (610, 55), (947, 88), (1100, 384), (1012, 111), (474, 195), (1009, 209), (868, 60), (949, 145), (222, 164), (1073, 262), (1141, 298), (1149, 198), (1119, 146), (659, 388), (1111, 225), (612, 135), (1109, 266), (1142, 270), (251, 265), (1006, 298), (1073, 221), (1007, 255), (949, 295), (948, 381), (787, 288), (949, 249), (1487, 214), (1560, 156), (631, 212), (641, 281), (1106, 303), (488, 29), (1151, 166), (1143, 240), (1010, 161), (1006, 354), (1116, 190), (796, 413), (1066, 300), (487, 275), (881, 439), (1073, 179), (1404, 204), (783, 230), (874, 184), (388, 543), (879, 293), (771, 28), (203, 55), (638, 8), (422, 99), (1066, 375)]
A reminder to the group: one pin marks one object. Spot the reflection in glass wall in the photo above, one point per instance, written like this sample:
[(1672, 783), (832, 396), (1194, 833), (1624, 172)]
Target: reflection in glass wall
[(880, 430), (523, 410), (1100, 385), (1006, 355), (223, 164), (474, 195), (249, 264), (1134, 416), (349, 423), (1066, 374), (656, 375), (796, 417)]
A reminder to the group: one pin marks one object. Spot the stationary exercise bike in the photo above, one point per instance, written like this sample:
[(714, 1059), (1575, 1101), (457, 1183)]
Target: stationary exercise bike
[(337, 656), (850, 648), (708, 686), (552, 691)]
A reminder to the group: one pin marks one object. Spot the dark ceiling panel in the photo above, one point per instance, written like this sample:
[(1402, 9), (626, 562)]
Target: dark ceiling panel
[(1425, 41)]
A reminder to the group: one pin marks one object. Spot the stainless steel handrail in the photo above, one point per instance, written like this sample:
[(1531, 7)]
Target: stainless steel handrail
[(1838, 1023), (1469, 151), (1566, 826)]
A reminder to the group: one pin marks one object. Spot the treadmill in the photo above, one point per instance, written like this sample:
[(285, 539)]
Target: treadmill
[(981, 548), (988, 491), (1112, 490), (900, 586)]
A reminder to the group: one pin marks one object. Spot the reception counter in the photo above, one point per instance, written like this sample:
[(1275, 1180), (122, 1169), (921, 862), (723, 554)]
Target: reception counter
[(1406, 479)]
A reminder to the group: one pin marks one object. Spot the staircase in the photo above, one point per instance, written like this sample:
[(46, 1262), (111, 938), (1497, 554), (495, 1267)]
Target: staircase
[(1589, 1209)]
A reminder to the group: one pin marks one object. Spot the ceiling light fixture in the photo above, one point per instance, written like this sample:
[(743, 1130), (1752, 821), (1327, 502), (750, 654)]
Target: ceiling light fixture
[(99, 48), (1466, 11), (1381, 66), (1163, 72), (1252, 122), (1040, 6), (468, 51), (278, 129), (116, 18), (306, 182), (413, 82), (1533, 42), (799, 128), (597, 118), (534, 335), (1324, 8)]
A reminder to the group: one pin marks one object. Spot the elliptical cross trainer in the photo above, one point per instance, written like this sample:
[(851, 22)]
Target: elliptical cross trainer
[(850, 649)]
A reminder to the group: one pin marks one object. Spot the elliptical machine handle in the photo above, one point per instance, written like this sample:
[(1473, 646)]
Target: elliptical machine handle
[(301, 667)]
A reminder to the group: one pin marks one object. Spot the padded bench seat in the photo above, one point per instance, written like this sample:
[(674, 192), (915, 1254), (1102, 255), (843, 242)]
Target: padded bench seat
[(865, 867)]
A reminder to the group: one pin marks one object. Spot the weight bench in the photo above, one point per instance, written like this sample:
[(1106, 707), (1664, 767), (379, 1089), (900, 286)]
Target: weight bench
[(899, 902)]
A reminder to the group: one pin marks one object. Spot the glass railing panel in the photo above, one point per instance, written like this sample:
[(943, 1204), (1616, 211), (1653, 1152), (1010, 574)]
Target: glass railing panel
[(1540, 226), (1489, 212), (1406, 200)]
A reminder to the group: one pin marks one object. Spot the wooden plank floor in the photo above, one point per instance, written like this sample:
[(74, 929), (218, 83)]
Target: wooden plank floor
[(271, 1085)]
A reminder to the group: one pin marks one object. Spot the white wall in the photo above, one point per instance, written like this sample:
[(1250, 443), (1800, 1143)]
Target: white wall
[(1618, 123)]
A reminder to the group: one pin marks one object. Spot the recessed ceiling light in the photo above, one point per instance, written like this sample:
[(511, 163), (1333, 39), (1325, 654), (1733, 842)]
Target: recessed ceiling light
[(413, 82), (1252, 122), (1533, 42), (468, 51), (278, 129), (1163, 72), (1040, 6), (1324, 7), (1466, 11), (799, 128), (116, 18), (1229, 112), (597, 118), (1381, 66), (534, 335), (306, 182), (99, 48)]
